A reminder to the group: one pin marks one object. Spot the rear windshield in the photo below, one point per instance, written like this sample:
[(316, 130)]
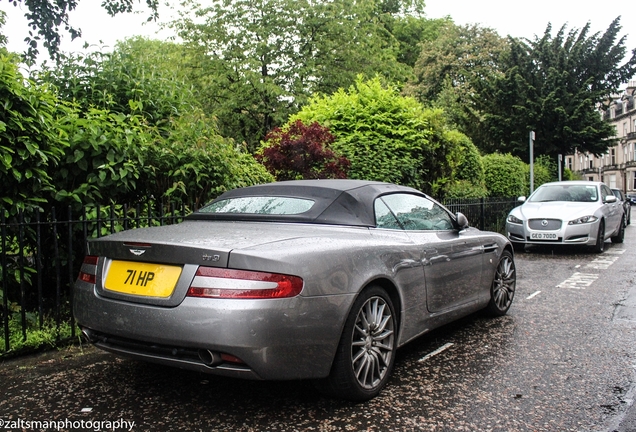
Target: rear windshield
[(578, 193), (267, 205)]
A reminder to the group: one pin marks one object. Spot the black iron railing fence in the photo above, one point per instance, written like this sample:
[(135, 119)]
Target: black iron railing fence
[(484, 213), (41, 253)]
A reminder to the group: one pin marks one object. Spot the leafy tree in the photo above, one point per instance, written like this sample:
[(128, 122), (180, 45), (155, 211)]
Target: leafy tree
[(140, 77), (451, 65), (505, 175), (553, 85), (30, 143), (459, 56), (46, 19), (405, 24), (3, 38), (302, 152), (413, 31), (262, 59), (136, 130)]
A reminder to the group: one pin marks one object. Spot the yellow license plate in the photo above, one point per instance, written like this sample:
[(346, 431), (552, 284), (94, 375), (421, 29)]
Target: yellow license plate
[(142, 279)]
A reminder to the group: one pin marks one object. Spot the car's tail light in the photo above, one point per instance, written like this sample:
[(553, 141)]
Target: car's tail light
[(242, 284), (89, 269)]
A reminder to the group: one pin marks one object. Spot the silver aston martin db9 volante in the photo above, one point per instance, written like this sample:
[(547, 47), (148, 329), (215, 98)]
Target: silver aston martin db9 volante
[(313, 279), (567, 213)]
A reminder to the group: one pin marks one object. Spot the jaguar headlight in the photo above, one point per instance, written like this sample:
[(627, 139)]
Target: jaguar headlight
[(514, 220), (583, 220)]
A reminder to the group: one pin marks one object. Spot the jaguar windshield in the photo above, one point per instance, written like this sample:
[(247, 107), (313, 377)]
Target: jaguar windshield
[(572, 193)]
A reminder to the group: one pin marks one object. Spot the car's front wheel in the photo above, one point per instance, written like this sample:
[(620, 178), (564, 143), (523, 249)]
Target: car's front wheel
[(503, 286), (366, 353), (518, 247), (620, 235), (600, 238)]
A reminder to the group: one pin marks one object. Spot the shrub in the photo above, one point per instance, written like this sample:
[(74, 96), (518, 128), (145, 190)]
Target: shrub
[(194, 162), (504, 175), (302, 152), (389, 137), (384, 135)]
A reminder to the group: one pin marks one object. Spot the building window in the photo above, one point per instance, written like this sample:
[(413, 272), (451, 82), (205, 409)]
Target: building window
[(569, 163), (625, 129), (591, 164), (612, 181), (613, 156), (590, 178)]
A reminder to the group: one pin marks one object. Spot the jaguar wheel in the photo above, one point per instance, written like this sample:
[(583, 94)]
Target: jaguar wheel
[(518, 247), (620, 235), (599, 247)]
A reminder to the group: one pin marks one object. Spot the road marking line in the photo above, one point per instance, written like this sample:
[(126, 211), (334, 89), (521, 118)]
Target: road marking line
[(533, 295), (602, 263), (579, 281), (437, 351), (615, 251)]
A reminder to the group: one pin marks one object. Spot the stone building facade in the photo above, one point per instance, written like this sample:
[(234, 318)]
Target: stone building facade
[(617, 167)]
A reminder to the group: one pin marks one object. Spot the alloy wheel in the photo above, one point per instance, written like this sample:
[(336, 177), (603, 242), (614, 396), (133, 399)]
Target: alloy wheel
[(373, 342)]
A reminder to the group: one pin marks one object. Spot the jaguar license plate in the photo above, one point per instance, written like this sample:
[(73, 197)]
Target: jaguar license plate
[(543, 236), (142, 279)]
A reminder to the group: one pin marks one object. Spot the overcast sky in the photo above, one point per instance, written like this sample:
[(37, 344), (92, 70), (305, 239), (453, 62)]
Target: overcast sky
[(507, 17)]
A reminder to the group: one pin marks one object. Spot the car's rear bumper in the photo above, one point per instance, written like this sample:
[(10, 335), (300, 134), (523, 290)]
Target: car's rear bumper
[(294, 338)]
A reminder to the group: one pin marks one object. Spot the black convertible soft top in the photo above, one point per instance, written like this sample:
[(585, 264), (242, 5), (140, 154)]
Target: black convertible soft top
[(337, 202)]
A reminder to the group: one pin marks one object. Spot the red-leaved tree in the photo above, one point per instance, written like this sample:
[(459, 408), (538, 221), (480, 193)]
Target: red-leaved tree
[(302, 152)]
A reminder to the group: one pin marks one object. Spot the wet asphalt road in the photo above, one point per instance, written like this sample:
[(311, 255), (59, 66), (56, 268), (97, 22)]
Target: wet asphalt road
[(563, 359)]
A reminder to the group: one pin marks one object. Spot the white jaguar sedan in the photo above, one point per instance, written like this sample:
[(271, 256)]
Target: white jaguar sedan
[(567, 213)]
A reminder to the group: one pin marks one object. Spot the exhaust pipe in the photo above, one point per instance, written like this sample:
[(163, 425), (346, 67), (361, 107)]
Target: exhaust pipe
[(88, 335), (210, 358)]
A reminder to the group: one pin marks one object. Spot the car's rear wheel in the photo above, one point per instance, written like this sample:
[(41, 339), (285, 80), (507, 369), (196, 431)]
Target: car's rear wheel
[(600, 238), (503, 286), (366, 353), (620, 235)]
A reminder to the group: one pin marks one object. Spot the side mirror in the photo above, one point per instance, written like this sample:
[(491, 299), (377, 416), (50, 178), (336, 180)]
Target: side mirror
[(521, 199), (462, 221), (610, 199)]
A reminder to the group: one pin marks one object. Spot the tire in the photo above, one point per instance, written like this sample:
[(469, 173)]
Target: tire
[(620, 236), (366, 353), (599, 247), (518, 247), (629, 216), (504, 282)]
